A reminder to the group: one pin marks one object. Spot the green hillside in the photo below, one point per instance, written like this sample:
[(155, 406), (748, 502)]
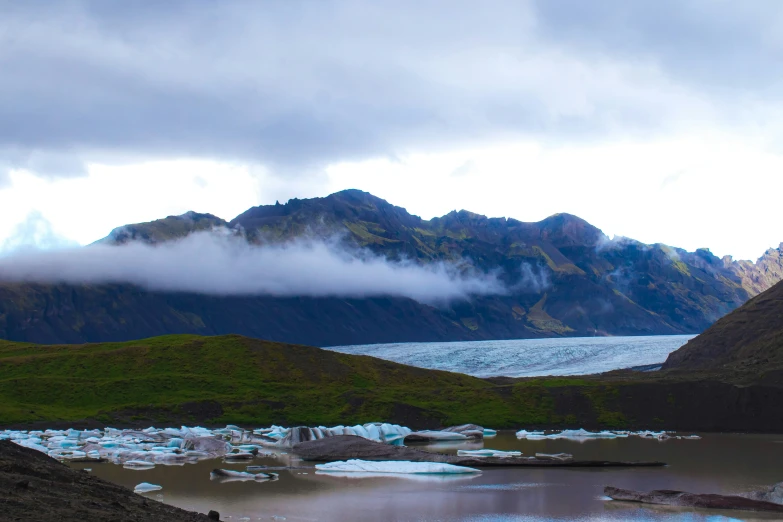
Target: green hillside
[(187, 379)]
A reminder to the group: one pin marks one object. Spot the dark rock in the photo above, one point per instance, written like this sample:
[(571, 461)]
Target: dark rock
[(746, 344), (67, 495), (683, 499), (213, 515)]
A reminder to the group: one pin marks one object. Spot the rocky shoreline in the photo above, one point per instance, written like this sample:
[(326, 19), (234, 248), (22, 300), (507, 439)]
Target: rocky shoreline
[(35, 487)]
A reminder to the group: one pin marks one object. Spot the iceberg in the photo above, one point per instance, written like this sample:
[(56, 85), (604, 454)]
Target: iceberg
[(434, 436), (531, 435), (243, 455), (379, 432), (146, 487), (228, 475), (393, 466), (138, 464), (417, 477), (488, 453)]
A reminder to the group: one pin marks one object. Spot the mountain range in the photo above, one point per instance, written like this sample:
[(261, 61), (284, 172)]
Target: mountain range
[(562, 277)]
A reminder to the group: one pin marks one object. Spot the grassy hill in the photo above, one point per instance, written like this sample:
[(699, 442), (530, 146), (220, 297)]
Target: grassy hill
[(216, 380)]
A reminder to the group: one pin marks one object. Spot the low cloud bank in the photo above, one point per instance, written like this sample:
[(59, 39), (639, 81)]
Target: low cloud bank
[(215, 264)]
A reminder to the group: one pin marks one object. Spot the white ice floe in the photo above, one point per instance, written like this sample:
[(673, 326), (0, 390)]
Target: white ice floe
[(228, 475), (138, 464), (488, 453), (410, 477), (531, 435), (146, 487), (379, 432), (388, 466), (435, 436), (582, 435)]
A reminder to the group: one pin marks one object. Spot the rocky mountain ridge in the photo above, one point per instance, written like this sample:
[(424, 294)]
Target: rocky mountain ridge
[(565, 277)]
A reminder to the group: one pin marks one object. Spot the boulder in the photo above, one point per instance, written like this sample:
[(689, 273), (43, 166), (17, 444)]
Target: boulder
[(683, 499)]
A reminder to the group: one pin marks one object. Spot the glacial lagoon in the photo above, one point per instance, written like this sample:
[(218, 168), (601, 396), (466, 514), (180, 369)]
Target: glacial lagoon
[(528, 357), (718, 463)]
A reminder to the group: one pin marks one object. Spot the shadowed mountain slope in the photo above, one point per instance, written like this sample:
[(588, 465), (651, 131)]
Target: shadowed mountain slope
[(746, 344)]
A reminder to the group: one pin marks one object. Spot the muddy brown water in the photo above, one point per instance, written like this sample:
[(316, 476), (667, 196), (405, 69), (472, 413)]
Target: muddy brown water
[(719, 463)]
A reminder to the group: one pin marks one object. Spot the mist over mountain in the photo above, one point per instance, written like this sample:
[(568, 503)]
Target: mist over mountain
[(353, 268)]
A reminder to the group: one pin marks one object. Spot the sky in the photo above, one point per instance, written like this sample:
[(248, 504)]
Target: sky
[(657, 120)]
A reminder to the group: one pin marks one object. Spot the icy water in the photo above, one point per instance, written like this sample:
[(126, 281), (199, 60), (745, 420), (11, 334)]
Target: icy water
[(719, 463), (529, 357)]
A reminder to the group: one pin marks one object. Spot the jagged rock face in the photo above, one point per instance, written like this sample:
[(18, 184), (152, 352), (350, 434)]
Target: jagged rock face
[(762, 275), (564, 276)]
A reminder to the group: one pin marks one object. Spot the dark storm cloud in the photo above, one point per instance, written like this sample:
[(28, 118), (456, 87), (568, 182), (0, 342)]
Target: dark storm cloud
[(715, 45), (299, 83)]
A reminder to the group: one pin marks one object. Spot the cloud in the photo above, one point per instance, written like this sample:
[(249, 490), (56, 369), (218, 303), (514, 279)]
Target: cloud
[(223, 264), (35, 233), (533, 280), (253, 81)]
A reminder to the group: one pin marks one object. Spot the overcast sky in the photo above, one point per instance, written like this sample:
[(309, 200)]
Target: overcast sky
[(659, 120)]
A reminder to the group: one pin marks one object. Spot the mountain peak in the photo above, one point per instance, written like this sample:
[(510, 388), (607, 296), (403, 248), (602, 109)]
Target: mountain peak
[(570, 230), (166, 229)]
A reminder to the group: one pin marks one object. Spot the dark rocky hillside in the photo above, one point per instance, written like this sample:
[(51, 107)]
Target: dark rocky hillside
[(746, 345), (565, 277)]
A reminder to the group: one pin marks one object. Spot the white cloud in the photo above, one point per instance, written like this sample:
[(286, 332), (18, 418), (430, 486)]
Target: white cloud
[(221, 264)]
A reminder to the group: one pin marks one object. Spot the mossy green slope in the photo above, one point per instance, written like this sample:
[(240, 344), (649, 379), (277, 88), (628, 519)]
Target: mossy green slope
[(215, 380), (253, 381)]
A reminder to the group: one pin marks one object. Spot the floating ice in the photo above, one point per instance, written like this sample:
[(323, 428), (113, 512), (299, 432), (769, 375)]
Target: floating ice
[(228, 475), (531, 435), (243, 455), (583, 434), (488, 453), (434, 436), (554, 456), (380, 432), (416, 477), (138, 464), (389, 466), (146, 487)]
